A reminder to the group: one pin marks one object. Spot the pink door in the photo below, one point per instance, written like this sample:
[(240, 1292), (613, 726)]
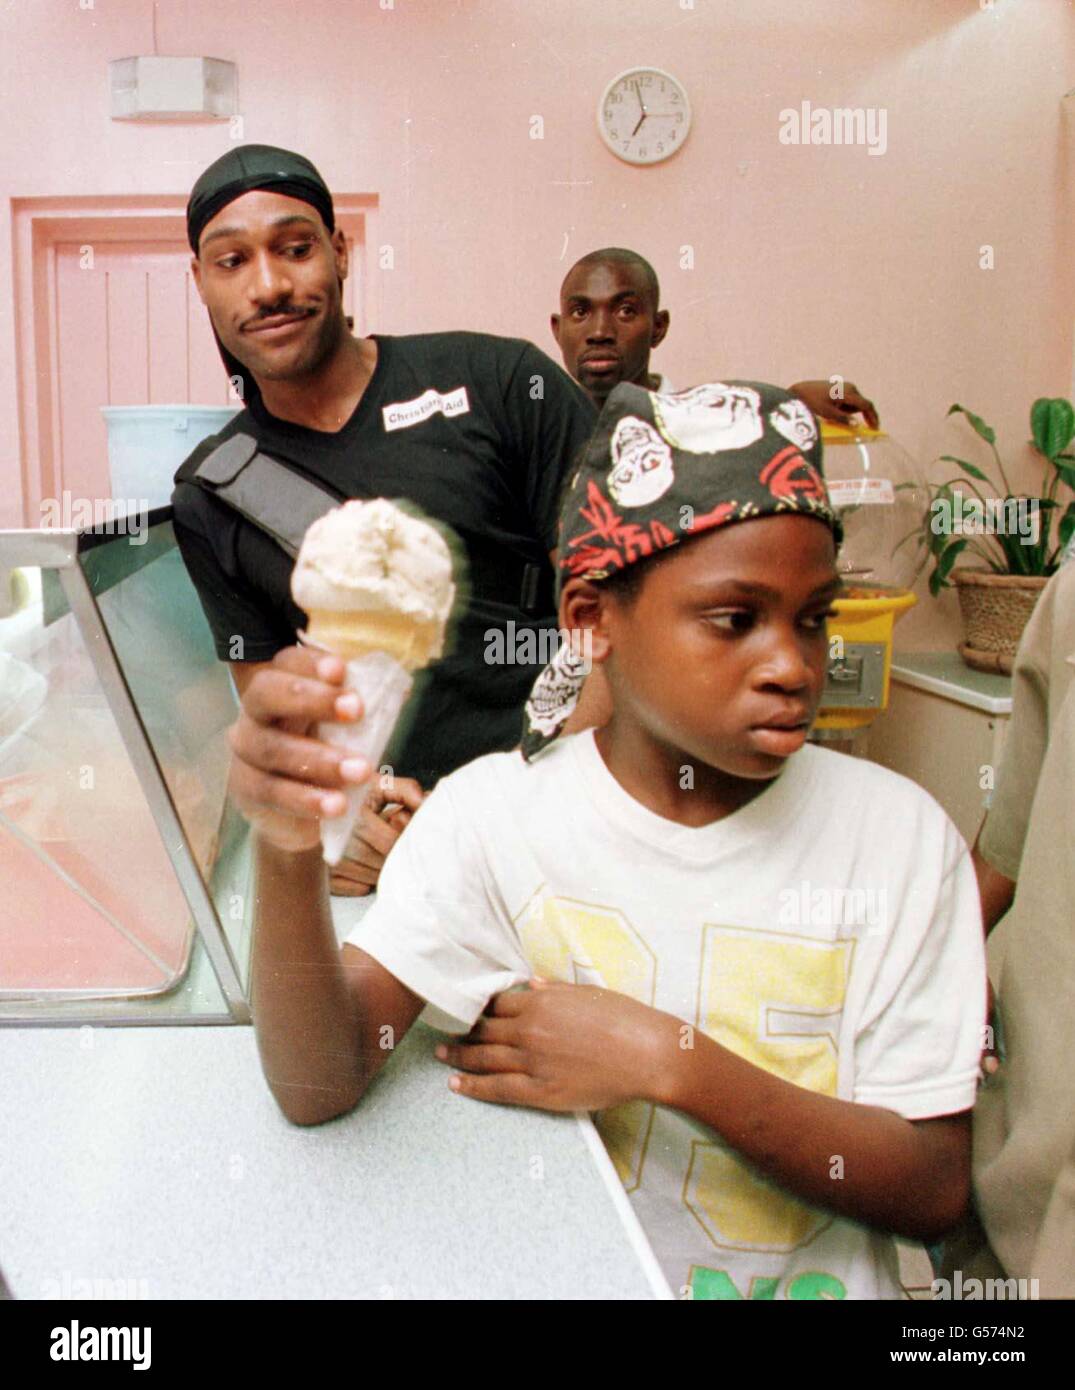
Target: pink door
[(131, 330), (109, 316)]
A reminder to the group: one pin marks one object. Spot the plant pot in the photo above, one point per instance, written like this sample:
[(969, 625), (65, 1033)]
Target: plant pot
[(995, 609)]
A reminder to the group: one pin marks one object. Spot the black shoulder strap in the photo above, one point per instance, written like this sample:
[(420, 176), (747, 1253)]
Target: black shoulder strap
[(271, 496), (283, 503)]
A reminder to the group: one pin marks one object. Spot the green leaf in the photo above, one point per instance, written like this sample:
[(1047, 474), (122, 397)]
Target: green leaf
[(1052, 422), (1014, 557), (937, 542), (1066, 471), (947, 560), (970, 468), (976, 423), (979, 548), (951, 555), (938, 538)]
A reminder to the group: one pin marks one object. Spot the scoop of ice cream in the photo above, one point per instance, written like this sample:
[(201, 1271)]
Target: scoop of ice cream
[(372, 577)]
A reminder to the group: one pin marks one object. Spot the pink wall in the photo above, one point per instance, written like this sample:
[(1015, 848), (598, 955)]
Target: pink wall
[(807, 259)]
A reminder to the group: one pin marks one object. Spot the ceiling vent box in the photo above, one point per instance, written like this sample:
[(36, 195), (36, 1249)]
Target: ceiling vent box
[(172, 89)]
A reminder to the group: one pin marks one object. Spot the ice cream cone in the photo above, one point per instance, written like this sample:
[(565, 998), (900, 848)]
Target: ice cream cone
[(383, 685), (376, 585), (350, 635)]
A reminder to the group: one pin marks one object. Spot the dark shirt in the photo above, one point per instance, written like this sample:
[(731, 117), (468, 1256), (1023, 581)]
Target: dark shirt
[(490, 463)]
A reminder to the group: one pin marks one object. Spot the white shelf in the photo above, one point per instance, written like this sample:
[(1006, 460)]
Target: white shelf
[(946, 674)]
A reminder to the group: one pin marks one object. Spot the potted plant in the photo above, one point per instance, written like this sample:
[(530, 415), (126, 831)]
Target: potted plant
[(1016, 539)]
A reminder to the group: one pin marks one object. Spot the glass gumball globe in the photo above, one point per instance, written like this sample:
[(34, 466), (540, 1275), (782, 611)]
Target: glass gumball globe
[(881, 497)]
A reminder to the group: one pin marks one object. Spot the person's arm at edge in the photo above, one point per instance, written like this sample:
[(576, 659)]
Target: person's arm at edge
[(818, 396)]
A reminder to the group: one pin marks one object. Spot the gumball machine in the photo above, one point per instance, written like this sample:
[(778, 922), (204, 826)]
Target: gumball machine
[(881, 496)]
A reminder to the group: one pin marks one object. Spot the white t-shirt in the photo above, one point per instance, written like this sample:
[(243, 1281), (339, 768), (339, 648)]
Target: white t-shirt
[(828, 932)]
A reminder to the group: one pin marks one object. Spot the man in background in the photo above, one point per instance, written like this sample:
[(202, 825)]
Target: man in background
[(610, 320)]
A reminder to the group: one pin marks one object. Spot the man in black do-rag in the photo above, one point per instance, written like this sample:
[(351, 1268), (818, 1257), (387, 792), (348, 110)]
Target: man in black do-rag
[(476, 431)]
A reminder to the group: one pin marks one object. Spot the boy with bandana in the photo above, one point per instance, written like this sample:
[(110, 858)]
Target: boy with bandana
[(782, 1079)]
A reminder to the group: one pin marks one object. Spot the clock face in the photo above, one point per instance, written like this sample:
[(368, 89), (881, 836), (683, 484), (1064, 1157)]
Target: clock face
[(644, 115)]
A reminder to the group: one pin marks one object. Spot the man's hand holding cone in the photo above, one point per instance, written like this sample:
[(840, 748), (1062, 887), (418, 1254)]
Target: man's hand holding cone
[(283, 779)]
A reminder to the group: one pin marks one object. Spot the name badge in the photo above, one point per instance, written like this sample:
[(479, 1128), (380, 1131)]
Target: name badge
[(403, 414)]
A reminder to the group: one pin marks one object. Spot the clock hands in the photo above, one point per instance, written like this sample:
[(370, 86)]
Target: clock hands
[(668, 124), (642, 105)]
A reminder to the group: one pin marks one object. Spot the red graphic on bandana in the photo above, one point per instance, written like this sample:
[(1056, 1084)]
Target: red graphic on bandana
[(788, 474), (720, 513), (612, 543)]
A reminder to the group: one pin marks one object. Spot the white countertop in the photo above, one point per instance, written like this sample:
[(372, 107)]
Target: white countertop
[(948, 675), (157, 1157)]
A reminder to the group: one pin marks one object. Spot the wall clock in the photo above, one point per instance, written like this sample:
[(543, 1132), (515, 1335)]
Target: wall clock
[(644, 115)]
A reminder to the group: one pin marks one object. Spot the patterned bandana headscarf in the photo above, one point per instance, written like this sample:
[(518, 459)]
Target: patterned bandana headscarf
[(660, 469)]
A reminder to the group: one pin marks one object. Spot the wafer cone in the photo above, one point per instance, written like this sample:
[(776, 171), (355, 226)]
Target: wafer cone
[(351, 635), (383, 684)]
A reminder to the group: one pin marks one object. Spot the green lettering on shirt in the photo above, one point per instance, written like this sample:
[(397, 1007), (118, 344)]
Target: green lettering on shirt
[(816, 1285), (716, 1283)]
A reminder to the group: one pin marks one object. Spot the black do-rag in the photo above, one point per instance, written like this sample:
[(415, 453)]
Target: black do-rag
[(249, 167), (660, 469), (243, 170)]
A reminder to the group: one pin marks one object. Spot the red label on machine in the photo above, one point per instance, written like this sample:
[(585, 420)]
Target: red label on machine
[(855, 492)]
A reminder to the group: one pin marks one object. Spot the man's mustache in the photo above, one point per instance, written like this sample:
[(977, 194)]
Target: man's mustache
[(291, 310)]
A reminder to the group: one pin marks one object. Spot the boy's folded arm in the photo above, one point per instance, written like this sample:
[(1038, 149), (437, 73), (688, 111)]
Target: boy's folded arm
[(326, 1021), (561, 1046), (908, 1177)]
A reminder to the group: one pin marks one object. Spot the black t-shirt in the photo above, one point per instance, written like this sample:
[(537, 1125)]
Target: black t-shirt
[(479, 432)]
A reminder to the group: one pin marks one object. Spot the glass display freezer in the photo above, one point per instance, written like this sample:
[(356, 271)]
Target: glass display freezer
[(128, 873)]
